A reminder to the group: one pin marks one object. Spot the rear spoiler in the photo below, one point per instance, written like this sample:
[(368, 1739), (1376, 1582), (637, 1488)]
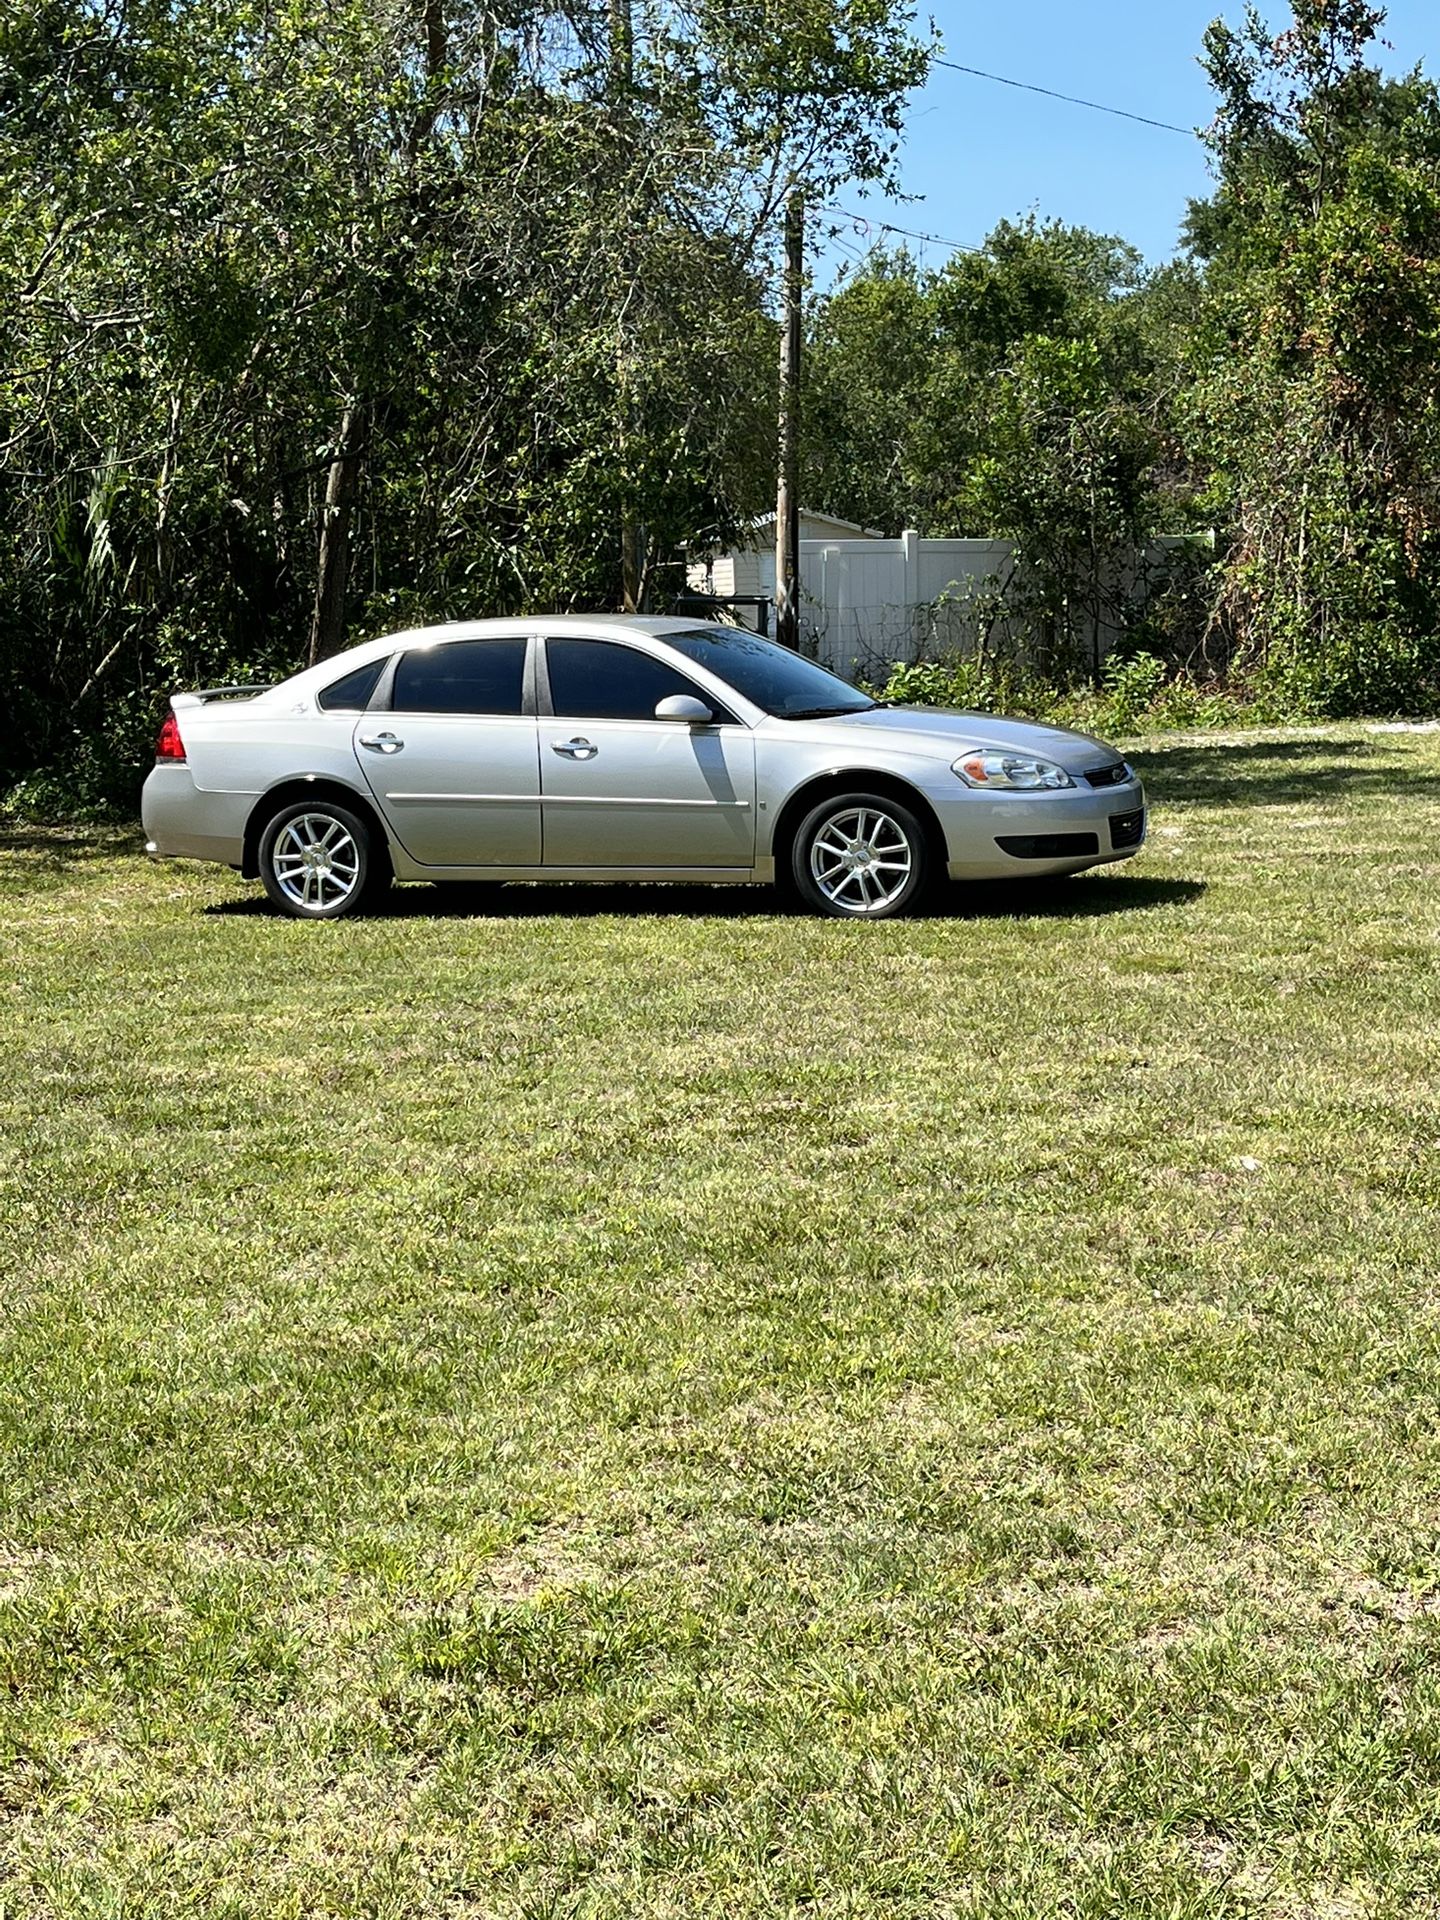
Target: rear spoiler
[(203, 695)]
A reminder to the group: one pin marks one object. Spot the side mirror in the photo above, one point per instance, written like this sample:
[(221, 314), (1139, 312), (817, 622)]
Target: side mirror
[(685, 708)]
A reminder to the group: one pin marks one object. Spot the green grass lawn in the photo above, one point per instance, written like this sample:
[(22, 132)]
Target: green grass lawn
[(570, 1402)]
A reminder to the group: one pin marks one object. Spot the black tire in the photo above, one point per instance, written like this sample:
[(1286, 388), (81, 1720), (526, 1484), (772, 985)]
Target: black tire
[(881, 864), (319, 861)]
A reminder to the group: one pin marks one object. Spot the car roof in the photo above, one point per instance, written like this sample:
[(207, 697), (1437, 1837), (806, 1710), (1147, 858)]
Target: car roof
[(580, 624), (595, 626), (627, 622)]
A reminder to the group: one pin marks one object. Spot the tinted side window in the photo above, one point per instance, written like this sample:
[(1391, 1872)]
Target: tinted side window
[(351, 694), (463, 676), (601, 680)]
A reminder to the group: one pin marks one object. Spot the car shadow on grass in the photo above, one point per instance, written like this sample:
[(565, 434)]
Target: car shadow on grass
[(1080, 898)]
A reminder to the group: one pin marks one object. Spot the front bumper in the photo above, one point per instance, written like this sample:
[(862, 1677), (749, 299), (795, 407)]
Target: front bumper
[(995, 836)]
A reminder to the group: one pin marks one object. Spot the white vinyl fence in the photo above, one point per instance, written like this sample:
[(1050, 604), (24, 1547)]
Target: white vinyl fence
[(865, 603)]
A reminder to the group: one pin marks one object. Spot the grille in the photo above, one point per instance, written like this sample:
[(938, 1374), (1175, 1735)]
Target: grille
[(1127, 829), (1047, 846), (1108, 776)]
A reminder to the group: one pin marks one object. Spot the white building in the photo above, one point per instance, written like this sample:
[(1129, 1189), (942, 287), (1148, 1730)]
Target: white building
[(748, 571)]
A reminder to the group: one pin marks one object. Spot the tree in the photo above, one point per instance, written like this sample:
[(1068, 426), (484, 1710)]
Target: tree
[(869, 354), (1317, 407), (1024, 391), (321, 312)]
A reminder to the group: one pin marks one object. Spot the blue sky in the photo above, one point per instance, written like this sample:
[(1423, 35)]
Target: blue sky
[(978, 153)]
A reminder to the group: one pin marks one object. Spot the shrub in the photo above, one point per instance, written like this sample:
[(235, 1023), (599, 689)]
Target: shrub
[(1137, 694)]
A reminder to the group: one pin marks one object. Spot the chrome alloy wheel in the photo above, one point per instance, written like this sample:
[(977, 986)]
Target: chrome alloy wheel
[(861, 860), (316, 862)]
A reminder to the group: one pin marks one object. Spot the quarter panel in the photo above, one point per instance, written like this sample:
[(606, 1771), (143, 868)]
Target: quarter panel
[(228, 753), (789, 755)]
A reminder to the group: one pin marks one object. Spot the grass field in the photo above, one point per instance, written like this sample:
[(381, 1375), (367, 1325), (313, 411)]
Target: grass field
[(583, 1403)]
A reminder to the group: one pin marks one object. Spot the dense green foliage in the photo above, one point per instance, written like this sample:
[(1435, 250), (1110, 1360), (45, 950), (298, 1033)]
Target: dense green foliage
[(1020, 393), (317, 319), (1317, 400), (1281, 385), (926, 388), (1133, 693)]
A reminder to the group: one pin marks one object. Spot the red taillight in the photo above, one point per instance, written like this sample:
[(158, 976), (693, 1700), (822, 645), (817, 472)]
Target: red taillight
[(170, 746)]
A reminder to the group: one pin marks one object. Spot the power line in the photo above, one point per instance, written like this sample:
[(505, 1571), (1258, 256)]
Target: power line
[(907, 233), (1024, 86), (852, 254), (1074, 100)]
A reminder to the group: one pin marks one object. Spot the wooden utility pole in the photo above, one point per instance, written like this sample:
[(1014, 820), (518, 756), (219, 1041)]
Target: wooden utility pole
[(787, 497), (632, 535)]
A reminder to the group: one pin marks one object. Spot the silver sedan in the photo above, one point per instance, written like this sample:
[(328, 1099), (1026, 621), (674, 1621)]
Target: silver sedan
[(569, 748)]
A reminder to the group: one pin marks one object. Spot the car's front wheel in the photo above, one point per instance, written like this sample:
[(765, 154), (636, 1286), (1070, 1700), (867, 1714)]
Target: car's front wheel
[(318, 861), (860, 856)]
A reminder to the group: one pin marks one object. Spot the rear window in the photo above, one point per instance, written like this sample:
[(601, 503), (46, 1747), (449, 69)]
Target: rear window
[(351, 693), (463, 676)]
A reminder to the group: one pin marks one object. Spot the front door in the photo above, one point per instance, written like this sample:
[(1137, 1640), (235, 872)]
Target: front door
[(454, 763), (620, 788)]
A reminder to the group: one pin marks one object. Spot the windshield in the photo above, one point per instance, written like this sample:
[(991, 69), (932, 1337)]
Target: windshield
[(769, 675)]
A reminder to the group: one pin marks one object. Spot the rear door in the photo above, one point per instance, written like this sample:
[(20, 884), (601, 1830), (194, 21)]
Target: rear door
[(452, 758), (623, 789)]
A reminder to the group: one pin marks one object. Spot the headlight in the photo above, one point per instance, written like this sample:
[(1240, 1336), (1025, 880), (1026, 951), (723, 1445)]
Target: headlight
[(1010, 772)]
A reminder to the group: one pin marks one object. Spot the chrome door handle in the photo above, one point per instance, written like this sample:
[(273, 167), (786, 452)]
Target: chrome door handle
[(576, 749), (382, 742)]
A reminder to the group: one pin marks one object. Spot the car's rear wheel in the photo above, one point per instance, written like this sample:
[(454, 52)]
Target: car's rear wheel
[(860, 856), (318, 861)]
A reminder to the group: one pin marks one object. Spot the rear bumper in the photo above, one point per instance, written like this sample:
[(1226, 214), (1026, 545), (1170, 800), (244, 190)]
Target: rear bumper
[(182, 822)]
